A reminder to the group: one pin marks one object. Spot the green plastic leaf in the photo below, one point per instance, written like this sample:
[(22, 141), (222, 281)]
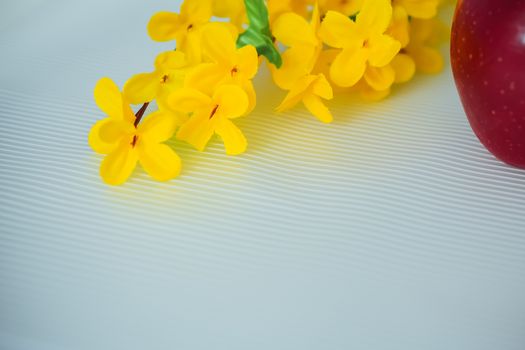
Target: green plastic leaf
[(258, 16), (258, 33)]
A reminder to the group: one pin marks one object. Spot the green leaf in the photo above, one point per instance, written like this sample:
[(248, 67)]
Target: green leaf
[(258, 16), (258, 33)]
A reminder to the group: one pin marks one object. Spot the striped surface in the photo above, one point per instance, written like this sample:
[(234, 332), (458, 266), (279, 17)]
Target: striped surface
[(391, 228)]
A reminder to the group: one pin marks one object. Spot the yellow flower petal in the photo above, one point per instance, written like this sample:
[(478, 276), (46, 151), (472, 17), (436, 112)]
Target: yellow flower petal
[(370, 95), (315, 22), (164, 26), (233, 9), (346, 7), (205, 77), (278, 7), (158, 127), (247, 86), (159, 160), (420, 8), (188, 100), (142, 88), (380, 79), (317, 108), (196, 11), (198, 130), (292, 29), (383, 48), (218, 45), (428, 60), (100, 140), (234, 141), (404, 67), (348, 67), (400, 26), (109, 99), (326, 57), (296, 93), (247, 62), (171, 60), (293, 68), (232, 101), (322, 88), (191, 45), (339, 31), (118, 165), (374, 17)]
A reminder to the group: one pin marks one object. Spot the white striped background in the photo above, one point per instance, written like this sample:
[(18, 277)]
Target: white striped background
[(391, 228)]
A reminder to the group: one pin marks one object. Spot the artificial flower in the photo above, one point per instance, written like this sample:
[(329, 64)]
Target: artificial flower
[(310, 90), (225, 64), (363, 43), (346, 7), (304, 47), (425, 37), (184, 27), (402, 64), (125, 143), (232, 9), (419, 8), (168, 75), (278, 7), (212, 115)]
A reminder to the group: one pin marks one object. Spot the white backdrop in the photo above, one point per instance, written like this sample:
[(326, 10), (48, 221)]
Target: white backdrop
[(391, 228)]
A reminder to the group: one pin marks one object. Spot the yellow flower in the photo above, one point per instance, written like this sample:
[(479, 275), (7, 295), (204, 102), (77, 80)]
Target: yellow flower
[(304, 47), (232, 9), (278, 7), (366, 50), (309, 90), (184, 27), (399, 29), (168, 75), (346, 7), (212, 115), (225, 64), (125, 143), (419, 8), (425, 36)]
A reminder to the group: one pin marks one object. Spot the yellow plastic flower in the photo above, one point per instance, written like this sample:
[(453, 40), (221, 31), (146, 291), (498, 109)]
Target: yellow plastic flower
[(346, 7), (399, 29), (309, 90), (225, 64), (425, 37), (232, 9), (419, 8), (125, 143), (212, 115), (278, 7), (184, 27), (168, 75), (304, 47), (365, 47)]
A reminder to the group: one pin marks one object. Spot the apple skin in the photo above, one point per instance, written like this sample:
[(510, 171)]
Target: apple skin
[(488, 61)]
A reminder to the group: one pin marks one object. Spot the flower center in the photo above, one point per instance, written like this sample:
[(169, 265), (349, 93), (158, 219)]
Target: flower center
[(134, 141), (213, 111), (164, 79), (234, 71), (190, 27)]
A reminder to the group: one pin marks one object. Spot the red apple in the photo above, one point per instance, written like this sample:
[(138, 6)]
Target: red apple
[(488, 60)]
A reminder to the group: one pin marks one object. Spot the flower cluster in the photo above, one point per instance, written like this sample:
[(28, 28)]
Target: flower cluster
[(313, 49)]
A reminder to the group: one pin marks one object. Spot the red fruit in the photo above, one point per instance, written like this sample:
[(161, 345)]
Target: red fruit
[(488, 60)]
